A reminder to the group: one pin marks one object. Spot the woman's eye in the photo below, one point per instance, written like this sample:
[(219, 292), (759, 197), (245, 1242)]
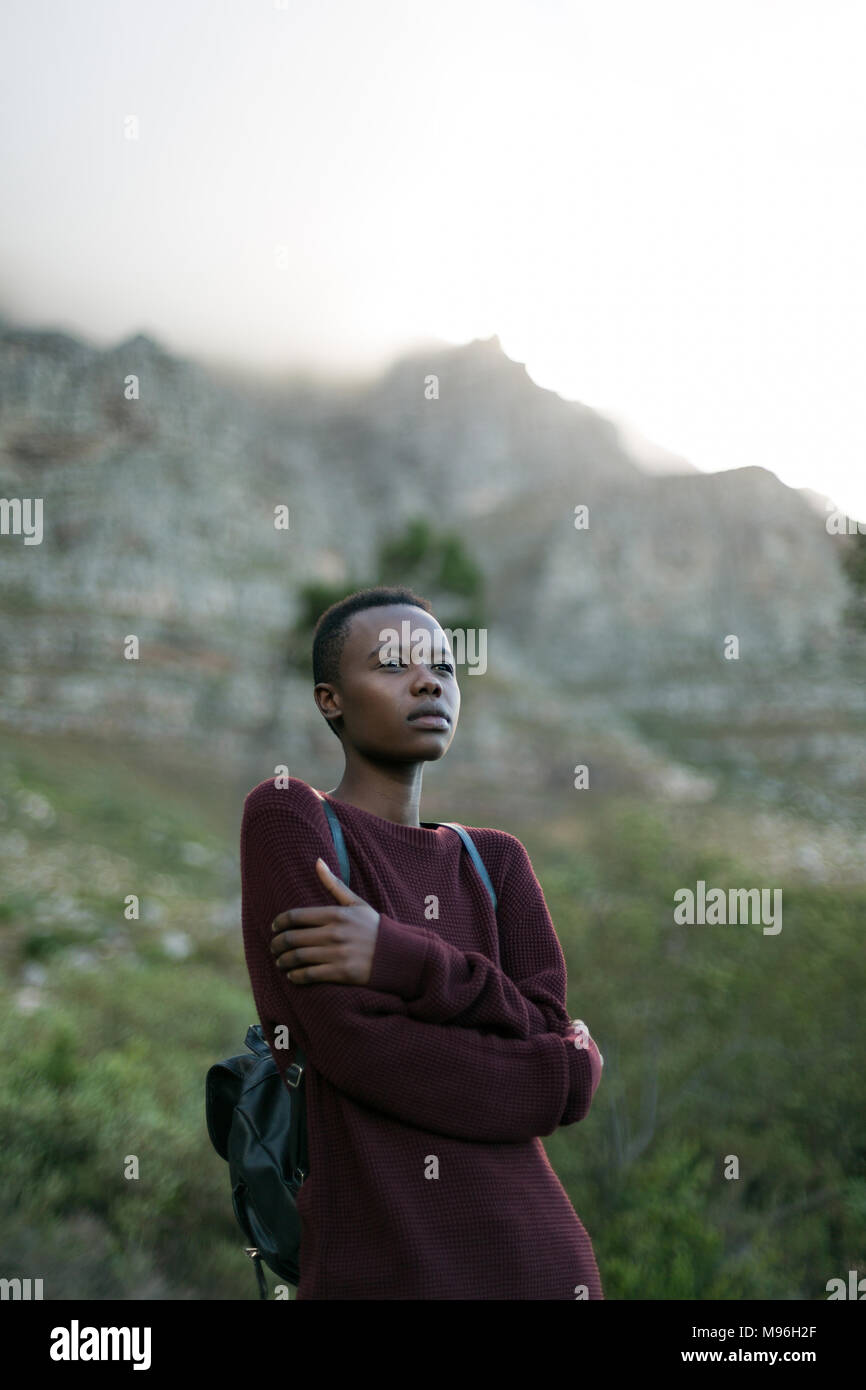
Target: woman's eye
[(394, 663)]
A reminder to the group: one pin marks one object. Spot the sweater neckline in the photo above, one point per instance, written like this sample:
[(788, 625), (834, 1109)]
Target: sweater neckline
[(425, 834)]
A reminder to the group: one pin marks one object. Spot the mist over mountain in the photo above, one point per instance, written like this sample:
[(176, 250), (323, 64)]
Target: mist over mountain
[(159, 522)]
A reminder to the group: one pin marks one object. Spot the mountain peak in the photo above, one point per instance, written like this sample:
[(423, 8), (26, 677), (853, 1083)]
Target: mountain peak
[(140, 343)]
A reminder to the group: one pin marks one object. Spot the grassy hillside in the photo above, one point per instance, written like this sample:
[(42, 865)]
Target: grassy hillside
[(718, 1041)]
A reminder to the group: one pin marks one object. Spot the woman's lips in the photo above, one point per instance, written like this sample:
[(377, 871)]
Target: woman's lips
[(430, 721)]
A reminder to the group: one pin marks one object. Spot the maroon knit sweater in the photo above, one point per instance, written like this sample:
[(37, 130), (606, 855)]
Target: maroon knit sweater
[(427, 1088)]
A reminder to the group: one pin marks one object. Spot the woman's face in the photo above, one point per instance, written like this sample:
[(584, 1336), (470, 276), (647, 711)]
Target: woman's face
[(396, 662)]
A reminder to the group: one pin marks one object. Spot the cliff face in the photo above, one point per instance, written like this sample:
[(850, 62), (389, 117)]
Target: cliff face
[(666, 570), (158, 521)]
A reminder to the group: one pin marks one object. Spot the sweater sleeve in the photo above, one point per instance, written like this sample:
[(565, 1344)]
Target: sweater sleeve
[(523, 998), (443, 984), (444, 1079)]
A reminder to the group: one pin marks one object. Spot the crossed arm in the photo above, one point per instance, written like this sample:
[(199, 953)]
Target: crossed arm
[(422, 1060), (442, 984)]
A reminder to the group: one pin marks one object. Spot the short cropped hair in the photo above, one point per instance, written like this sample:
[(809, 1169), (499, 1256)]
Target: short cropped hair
[(332, 629)]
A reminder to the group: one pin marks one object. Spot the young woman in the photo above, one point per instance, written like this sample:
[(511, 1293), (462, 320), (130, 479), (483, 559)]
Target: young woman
[(438, 1045)]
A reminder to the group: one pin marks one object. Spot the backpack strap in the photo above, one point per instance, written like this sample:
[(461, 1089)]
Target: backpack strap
[(255, 1256), (337, 834), (474, 856)]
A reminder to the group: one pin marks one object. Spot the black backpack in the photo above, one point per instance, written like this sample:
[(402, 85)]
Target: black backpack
[(257, 1122)]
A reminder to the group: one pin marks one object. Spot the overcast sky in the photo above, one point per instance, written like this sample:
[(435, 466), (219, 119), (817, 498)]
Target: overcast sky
[(658, 205)]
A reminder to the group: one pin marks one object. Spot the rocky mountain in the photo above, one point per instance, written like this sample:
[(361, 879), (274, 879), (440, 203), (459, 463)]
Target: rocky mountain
[(159, 483)]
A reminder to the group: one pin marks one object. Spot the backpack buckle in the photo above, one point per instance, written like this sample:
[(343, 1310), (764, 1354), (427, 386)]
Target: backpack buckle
[(299, 1072)]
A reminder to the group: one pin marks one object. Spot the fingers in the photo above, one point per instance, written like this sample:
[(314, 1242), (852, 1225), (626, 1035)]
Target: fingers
[(583, 1038), (309, 956), (335, 885), (327, 935), (316, 939), (305, 916)]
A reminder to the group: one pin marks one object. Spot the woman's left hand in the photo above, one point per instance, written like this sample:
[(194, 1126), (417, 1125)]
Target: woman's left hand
[(582, 1036), (333, 943)]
